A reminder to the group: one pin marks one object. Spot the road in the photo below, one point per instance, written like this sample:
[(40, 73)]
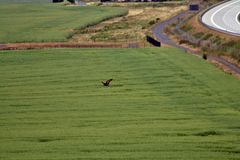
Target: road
[(224, 17), (158, 31)]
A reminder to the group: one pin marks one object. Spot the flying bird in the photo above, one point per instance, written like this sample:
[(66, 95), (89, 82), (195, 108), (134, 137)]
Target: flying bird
[(107, 83)]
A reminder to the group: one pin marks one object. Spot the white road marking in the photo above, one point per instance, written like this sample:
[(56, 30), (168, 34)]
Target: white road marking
[(225, 6), (224, 17), (229, 20)]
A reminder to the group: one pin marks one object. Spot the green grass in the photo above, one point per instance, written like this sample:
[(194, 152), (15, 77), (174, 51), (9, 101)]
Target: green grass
[(32, 22), (162, 104), (25, 1)]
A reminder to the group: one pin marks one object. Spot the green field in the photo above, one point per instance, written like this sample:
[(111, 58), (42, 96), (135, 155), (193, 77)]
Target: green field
[(162, 104), (46, 22), (25, 1)]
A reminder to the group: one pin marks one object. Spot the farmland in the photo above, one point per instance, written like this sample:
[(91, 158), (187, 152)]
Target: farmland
[(25, 1), (162, 104), (133, 27), (46, 22)]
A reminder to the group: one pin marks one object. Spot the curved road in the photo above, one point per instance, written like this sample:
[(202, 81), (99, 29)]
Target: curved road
[(158, 31), (224, 17)]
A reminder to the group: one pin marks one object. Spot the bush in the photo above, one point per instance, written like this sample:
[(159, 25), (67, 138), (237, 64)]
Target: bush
[(217, 40), (186, 28), (198, 35), (207, 36), (152, 22), (236, 54)]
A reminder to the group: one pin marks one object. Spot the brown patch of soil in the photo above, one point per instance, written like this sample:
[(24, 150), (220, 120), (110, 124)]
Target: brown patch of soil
[(134, 12), (25, 46)]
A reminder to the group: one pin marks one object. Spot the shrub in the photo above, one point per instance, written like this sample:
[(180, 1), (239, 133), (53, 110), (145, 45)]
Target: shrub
[(217, 40), (198, 35), (207, 36), (152, 22), (186, 28)]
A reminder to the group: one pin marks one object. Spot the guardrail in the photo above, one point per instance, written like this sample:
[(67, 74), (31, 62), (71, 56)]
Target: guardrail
[(212, 28)]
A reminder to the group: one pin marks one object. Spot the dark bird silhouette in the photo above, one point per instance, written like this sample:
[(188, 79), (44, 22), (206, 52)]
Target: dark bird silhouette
[(204, 56), (107, 83)]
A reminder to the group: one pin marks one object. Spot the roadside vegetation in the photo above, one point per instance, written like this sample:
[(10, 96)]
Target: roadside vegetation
[(46, 22), (131, 28), (210, 42), (24, 1), (162, 103), (194, 34)]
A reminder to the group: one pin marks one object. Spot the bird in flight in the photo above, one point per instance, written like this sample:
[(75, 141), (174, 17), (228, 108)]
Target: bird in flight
[(107, 82)]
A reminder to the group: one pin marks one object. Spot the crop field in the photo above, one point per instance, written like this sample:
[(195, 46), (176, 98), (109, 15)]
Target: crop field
[(132, 27), (46, 22), (162, 104), (25, 1)]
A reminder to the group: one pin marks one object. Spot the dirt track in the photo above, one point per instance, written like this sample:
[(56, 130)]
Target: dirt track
[(24, 46), (2, 46)]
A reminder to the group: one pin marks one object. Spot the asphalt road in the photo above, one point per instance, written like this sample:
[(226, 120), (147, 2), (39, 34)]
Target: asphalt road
[(158, 31), (224, 17)]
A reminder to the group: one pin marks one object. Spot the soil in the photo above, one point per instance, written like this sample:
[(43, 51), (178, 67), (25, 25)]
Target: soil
[(131, 28), (25, 46)]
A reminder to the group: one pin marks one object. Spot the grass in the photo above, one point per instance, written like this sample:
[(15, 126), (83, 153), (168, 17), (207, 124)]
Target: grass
[(25, 1), (208, 41), (46, 22), (131, 28), (162, 104), (148, 4)]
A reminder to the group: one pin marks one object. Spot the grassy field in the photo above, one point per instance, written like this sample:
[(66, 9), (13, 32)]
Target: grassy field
[(33, 22), (25, 1), (131, 28), (162, 104)]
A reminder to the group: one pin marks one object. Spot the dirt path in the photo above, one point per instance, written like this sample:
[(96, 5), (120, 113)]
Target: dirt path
[(24, 46), (2, 46), (158, 31)]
